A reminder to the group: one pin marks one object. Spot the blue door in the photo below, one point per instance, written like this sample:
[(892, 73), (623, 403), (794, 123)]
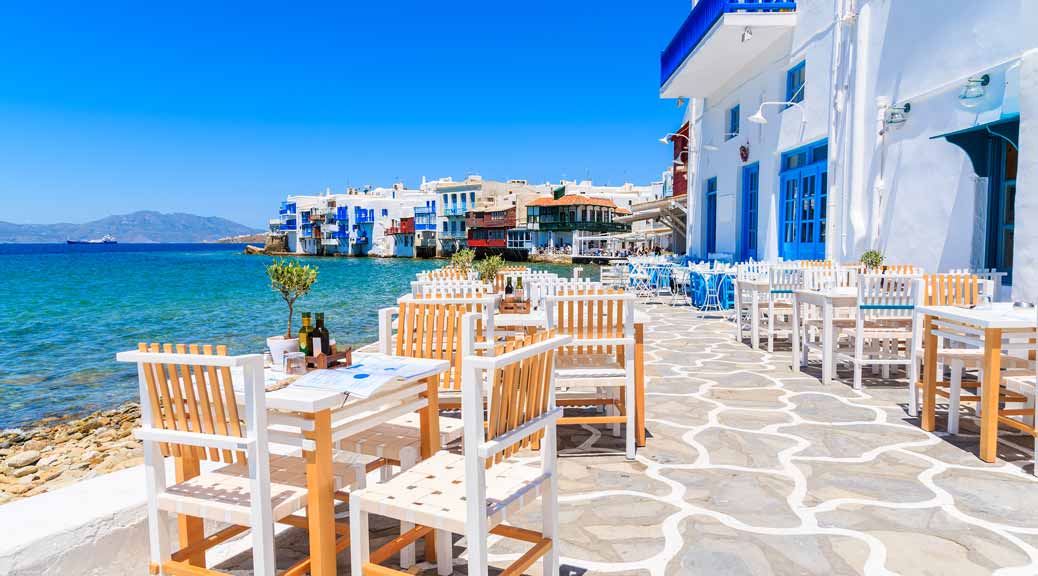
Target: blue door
[(804, 191), (711, 216), (750, 187)]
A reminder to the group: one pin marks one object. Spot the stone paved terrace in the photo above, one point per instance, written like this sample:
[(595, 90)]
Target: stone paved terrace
[(753, 469)]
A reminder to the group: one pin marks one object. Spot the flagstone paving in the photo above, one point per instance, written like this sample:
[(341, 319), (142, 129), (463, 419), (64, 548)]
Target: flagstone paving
[(753, 469)]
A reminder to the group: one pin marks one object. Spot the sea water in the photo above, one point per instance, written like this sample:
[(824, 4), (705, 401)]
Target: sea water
[(65, 310)]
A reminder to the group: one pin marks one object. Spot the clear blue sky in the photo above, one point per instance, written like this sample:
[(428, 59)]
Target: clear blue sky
[(222, 108)]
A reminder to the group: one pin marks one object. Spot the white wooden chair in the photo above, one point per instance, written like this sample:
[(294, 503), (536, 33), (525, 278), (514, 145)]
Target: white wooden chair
[(884, 321), (473, 494), (449, 273), (782, 281), (189, 412), (425, 328), (991, 274), (600, 359)]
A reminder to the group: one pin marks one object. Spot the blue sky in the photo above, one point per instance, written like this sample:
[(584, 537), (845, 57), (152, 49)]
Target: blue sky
[(222, 108)]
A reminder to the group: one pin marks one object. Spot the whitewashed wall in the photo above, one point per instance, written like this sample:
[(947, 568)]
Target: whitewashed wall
[(1025, 282), (913, 197)]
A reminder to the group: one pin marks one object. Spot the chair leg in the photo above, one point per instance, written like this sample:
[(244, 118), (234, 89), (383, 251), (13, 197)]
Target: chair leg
[(886, 349), (629, 407), (444, 553), (359, 545), (980, 378), (859, 358), (158, 520), (614, 410), (913, 387), (550, 525), (954, 393), (771, 328), (409, 458)]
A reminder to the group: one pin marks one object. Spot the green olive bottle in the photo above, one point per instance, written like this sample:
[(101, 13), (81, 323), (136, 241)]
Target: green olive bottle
[(320, 340), (306, 336)]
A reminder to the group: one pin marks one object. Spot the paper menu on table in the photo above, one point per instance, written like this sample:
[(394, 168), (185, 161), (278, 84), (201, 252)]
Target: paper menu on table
[(368, 375)]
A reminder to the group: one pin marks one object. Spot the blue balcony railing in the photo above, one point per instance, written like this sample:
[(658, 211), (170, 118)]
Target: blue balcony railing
[(287, 225), (363, 216), (455, 210), (287, 208), (702, 19), (340, 235), (360, 240)]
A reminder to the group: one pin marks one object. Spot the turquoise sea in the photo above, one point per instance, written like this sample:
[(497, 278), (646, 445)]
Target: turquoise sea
[(66, 310)]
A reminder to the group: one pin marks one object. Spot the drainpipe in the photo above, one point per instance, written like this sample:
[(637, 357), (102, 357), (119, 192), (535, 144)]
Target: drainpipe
[(858, 132), (842, 32)]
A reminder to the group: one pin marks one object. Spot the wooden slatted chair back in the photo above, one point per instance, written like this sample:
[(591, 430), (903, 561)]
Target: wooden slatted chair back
[(537, 289), (828, 278), (752, 271), (900, 269), (427, 328), (784, 280), (886, 297), (514, 273), (814, 264), (184, 397), (449, 288), (448, 273), (519, 392), (595, 319), (954, 290)]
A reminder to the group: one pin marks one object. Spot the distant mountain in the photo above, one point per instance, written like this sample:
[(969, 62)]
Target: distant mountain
[(143, 227)]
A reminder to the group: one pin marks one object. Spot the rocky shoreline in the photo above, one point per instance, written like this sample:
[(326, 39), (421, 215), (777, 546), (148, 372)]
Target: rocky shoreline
[(54, 453)]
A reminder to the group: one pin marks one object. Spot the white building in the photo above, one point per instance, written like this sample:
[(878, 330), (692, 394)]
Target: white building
[(912, 128), (354, 223)]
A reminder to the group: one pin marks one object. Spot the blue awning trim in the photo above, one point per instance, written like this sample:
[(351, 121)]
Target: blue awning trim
[(976, 139)]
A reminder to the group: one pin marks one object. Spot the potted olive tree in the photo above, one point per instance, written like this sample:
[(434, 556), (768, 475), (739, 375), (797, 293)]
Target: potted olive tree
[(292, 281), (872, 260), (462, 259)]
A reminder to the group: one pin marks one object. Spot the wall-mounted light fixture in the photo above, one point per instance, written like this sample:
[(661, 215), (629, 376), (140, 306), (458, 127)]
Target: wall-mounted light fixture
[(974, 90), (759, 118), (747, 34), (896, 115)]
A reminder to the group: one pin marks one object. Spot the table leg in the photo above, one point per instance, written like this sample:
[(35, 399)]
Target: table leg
[(796, 334), (429, 420), (320, 485), (639, 384), (827, 342), (754, 327), (989, 394), (928, 417), (738, 313)]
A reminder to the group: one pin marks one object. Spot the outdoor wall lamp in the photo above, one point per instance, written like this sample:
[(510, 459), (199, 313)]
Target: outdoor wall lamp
[(747, 34), (759, 118), (666, 139), (974, 90), (896, 115)]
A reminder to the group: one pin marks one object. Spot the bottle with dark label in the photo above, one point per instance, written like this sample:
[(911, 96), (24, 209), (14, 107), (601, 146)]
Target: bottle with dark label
[(305, 333), (508, 287), (320, 338)]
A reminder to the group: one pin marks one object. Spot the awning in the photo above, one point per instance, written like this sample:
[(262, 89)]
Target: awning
[(976, 139)]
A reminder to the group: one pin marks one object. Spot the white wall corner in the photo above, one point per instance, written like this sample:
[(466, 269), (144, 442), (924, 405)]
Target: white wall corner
[(1025, 244)]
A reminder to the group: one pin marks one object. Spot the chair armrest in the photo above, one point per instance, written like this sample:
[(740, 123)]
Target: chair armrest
[(491, 447), (193, 439)]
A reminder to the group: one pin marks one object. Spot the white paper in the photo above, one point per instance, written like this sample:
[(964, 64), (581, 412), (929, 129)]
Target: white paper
[(368, 375)]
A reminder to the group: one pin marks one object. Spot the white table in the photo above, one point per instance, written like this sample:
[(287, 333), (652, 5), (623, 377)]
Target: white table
[(756, 288), (989, 322), (827, 301), (327, 415)]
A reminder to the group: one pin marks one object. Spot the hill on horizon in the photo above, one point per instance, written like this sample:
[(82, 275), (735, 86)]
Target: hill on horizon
[(145, 226)]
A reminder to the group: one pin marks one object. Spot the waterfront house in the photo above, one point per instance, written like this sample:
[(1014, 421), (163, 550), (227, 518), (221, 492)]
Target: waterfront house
[(457, 199), (573, 221), (820, 129), (401, 236), (353, 224), (488, 229)]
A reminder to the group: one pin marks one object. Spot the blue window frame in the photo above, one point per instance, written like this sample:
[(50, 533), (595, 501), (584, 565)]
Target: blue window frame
[(472, 197), (796, 81), (444, 225), (804, 193), (711, 216), (733, 123), (385, 212), (750, 194)]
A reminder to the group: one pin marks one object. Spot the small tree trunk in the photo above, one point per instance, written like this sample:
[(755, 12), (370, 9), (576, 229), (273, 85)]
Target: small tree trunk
[(288, 335)]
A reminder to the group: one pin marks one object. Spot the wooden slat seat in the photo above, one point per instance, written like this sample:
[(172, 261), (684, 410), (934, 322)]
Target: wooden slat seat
[(432, 493), (399, 440), (223, 495), (577, 365)]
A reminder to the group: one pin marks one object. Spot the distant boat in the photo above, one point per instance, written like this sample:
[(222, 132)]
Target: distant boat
[(106, 239)]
